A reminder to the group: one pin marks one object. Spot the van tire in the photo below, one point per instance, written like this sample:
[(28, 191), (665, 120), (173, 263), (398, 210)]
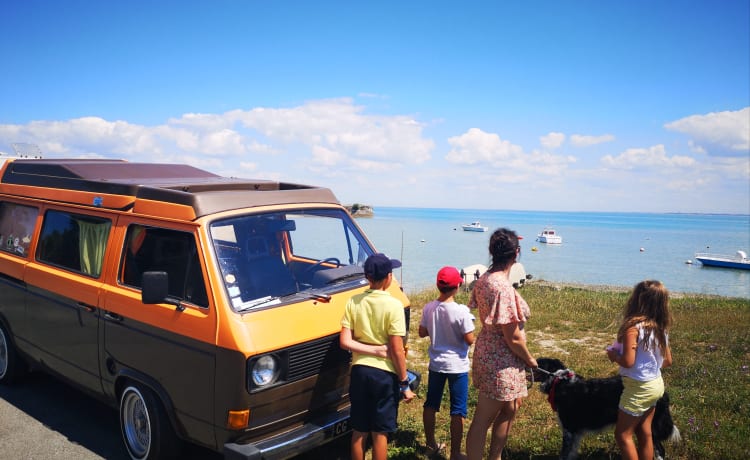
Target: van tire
[(11, 364), (144, 425)]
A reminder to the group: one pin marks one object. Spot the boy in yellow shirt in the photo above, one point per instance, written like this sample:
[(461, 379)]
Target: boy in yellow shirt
[(373, 328)]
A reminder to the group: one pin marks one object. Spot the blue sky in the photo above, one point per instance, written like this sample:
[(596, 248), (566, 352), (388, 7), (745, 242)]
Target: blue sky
[(548, 105)]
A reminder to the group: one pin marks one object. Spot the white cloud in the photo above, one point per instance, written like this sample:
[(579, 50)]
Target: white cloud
[(326, 157), (477, 146), (340, 125), (718, 133), (655, 156), (579, 140), (552, 140), (334, 125)]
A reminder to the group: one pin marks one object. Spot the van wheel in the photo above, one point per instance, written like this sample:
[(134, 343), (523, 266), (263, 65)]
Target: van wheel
[(145, 426), (11, 364)]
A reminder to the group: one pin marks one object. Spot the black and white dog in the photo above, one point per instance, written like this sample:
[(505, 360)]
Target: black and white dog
[(587, 405)]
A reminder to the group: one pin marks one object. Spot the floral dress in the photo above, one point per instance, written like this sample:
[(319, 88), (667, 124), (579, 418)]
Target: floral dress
[(496, 371)]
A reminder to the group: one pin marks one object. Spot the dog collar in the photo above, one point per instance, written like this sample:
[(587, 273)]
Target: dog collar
[(567, 375)]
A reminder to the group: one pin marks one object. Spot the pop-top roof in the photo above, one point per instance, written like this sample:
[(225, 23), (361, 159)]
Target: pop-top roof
[(179, 184)]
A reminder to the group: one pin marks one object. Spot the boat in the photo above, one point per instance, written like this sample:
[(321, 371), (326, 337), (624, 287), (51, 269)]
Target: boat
[(474, 227), (738, 260), (549, 236)]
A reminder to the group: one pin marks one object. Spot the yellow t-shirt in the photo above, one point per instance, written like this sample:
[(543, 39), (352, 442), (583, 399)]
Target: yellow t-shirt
[(373, 316)]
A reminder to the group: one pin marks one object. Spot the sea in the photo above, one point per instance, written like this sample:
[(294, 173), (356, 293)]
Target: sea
[(598, 248)]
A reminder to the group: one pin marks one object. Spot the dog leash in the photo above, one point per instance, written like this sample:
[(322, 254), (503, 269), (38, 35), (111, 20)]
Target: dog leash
[(531, 371)]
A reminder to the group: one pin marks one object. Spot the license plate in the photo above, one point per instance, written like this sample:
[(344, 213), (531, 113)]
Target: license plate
[(338, 429)]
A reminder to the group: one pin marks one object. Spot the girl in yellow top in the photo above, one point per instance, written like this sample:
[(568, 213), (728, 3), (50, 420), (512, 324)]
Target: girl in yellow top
[(641, 350)]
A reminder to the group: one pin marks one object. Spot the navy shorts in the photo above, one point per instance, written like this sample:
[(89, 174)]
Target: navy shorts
[(374, 394), (458, 387)]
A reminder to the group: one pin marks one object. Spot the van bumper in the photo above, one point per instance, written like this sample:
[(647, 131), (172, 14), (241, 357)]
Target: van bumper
[(292, 443)]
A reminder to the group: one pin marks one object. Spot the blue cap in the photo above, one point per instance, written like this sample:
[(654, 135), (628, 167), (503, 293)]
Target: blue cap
[(377, 266)]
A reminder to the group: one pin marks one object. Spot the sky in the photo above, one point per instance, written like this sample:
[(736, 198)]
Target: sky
[(635, 106)]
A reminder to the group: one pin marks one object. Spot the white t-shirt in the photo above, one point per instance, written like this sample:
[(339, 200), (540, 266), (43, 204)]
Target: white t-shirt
[(648, 358), (447, 323)]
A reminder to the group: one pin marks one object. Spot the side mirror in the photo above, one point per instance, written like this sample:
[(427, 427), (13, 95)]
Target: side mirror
[(154, 287)]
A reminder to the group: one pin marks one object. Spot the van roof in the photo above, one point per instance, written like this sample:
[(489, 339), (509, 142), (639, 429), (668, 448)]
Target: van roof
[(146, 187)]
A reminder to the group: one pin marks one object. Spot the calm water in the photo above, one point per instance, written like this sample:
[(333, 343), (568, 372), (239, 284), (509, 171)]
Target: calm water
[(598, 248)]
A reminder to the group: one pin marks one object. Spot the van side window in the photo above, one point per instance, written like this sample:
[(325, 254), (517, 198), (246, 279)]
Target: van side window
[(16, 227), (74, 241), (171, 251)]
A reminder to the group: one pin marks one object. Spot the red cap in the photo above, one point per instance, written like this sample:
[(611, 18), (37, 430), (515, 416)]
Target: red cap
[(449, 277)]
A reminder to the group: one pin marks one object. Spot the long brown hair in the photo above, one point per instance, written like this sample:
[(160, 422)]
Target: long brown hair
[(503, 249), (648, 305)]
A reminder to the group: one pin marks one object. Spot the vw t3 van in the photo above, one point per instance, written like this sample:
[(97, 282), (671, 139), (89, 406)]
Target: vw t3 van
[(206, 308)]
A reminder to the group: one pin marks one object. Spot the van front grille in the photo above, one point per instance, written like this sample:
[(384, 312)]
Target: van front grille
[(316, 357)]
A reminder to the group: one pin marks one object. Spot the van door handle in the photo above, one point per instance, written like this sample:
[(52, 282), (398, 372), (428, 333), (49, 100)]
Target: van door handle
[(112, 316), (87, 307)]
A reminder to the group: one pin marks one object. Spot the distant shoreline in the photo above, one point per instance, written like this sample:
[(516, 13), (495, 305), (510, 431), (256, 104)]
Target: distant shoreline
[(557, 286), (683, 213)]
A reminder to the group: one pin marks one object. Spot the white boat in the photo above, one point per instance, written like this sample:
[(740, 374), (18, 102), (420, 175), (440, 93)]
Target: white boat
[(549, 236), (739, 260), (474, 227)]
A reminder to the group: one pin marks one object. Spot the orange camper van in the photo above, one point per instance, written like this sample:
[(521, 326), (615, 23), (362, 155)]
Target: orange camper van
[(206, 308)]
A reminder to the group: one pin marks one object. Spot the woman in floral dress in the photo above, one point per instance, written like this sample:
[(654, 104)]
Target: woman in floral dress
[(500, 355)]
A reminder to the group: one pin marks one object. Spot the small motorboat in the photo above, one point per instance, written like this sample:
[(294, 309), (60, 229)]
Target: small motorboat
[(549, 236), (738, 260), (474, 227)]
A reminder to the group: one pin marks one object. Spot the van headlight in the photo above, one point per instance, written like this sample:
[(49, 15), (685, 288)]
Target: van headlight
[(264, 371)]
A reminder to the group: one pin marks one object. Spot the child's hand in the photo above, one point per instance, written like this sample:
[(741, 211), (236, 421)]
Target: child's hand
[(407, 395), (616, 346), (381, 351), (612, 354)]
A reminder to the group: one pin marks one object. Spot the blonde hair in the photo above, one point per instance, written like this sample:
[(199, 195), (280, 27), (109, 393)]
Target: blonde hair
[(648, 306)]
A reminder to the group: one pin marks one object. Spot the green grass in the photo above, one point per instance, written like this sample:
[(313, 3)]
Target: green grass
[(709, 383)]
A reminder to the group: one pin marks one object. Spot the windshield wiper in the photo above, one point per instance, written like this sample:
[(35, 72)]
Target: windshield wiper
[(262, 301), (309, 294), (275, 300)]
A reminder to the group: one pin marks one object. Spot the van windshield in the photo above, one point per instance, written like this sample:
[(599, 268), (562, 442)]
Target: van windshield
[(273, 258)]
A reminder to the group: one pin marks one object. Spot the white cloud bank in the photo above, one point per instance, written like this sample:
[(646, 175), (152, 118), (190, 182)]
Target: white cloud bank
[(651, 157), (717, 133), (390, 160)]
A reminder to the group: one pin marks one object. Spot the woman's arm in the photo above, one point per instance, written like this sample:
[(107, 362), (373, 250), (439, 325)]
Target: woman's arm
[(347, 342), (517, 343)]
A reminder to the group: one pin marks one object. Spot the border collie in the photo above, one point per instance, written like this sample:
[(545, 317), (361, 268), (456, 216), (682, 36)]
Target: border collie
[(588, 405)]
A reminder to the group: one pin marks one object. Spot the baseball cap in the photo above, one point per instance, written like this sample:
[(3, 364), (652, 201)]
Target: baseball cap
[(377, 266), (449, 277)]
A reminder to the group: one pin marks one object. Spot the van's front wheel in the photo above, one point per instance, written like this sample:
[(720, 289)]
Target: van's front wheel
[(144, 425), (11, 364)]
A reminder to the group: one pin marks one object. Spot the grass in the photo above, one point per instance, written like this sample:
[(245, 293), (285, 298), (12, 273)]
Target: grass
[(709, 383)]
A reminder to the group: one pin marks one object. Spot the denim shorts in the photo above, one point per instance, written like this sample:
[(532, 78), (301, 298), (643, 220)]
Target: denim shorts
[(374, 395), (458, 387), (638, 397)]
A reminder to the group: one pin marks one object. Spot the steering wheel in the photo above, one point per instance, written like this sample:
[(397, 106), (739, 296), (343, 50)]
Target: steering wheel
[(309, 270)]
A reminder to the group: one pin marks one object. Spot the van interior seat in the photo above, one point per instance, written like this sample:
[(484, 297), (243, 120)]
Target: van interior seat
[(264, 273)]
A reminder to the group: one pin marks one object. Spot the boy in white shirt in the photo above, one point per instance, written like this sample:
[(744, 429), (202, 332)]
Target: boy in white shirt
[(450, 327)]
